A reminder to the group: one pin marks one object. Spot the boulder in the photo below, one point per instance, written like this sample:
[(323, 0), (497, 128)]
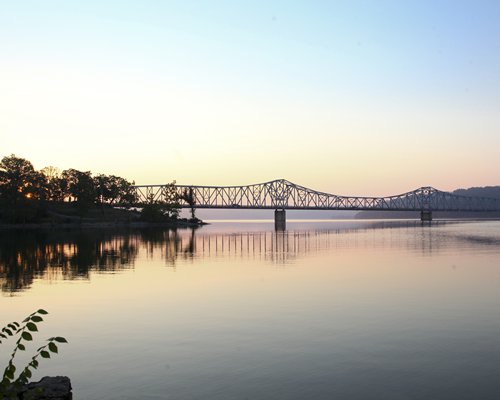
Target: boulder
[(48, 388)]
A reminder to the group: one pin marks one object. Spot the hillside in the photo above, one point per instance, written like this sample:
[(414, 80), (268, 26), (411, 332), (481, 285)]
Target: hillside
[(487, 191)]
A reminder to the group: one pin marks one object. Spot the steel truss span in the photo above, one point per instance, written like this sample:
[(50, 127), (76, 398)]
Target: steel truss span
[(282, 194)]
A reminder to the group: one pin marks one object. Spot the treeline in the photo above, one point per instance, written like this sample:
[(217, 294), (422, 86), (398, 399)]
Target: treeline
[(492, 192), (25, 192)]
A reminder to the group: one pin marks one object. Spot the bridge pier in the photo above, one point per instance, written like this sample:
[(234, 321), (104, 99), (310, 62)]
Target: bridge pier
[(426, 215), (279, 220)]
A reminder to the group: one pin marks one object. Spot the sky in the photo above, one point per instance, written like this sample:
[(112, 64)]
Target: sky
[(346, 97)]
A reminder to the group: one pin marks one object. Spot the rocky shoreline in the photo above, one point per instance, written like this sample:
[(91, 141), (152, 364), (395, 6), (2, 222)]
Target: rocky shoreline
[(47, 388)]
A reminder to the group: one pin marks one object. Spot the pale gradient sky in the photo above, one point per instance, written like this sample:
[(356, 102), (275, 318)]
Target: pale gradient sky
[(348, 97)]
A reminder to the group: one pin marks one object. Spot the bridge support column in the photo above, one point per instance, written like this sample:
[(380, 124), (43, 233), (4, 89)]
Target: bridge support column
[(426, 215), (279, 220)]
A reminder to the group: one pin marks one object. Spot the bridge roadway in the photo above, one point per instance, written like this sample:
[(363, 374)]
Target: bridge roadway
[(282, 195)]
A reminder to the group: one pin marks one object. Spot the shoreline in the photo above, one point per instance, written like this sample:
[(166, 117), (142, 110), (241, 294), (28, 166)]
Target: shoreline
[(100, 225)]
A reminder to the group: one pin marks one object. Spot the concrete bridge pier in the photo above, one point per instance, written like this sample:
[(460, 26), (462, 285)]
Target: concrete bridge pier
[(426, 215), (279, 220)]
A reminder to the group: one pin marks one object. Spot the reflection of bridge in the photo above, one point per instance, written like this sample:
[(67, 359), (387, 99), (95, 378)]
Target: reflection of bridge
[(282, 195), (284, 247)]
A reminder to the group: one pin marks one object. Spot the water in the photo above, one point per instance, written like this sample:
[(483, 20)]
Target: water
[(233, 310)]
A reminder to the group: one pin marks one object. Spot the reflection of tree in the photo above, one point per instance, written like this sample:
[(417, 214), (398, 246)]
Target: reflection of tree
[(190, 248), (171, 243), (25, 256)]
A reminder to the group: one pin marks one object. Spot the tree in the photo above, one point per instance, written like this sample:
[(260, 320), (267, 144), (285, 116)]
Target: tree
[(17, 178), (81, 188), (61, 190), (51, 172), (104, 188), (113, 189), (39, 187), (56, 187), (163, 211), (20, 188), (127, 194), (188, 197)]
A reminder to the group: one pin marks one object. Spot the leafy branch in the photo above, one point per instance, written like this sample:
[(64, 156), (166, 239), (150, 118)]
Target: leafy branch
[(10, 386)]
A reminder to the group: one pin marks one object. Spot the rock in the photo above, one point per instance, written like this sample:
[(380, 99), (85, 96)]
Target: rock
[(49, 387)]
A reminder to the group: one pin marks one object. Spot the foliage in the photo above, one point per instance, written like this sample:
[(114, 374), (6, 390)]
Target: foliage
[(113, 189), (57, 186), (10, 386), (20, 187), (188, 197), (165, 211), (159, 212), (17, 177), (80, 187), (25, 192)]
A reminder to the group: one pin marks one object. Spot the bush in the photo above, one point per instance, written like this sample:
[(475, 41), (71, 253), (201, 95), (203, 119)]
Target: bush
[(159, 212)]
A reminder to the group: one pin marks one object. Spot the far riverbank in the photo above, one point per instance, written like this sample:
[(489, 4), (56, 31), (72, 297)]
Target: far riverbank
[(102, 225)]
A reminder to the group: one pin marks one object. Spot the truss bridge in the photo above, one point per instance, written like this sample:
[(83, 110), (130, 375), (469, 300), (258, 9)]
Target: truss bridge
[(282, 195)]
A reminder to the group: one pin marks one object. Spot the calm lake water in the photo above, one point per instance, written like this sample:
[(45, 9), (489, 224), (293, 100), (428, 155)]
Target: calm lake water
[(233, 310)]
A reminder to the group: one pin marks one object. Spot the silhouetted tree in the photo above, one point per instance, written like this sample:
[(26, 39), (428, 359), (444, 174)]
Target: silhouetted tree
[(188, 197), (56, 186), (17, 177), (127, 194), (164, 210), (20, 188), (26, 194), (113, 189), (39, 187), (81, 188)]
